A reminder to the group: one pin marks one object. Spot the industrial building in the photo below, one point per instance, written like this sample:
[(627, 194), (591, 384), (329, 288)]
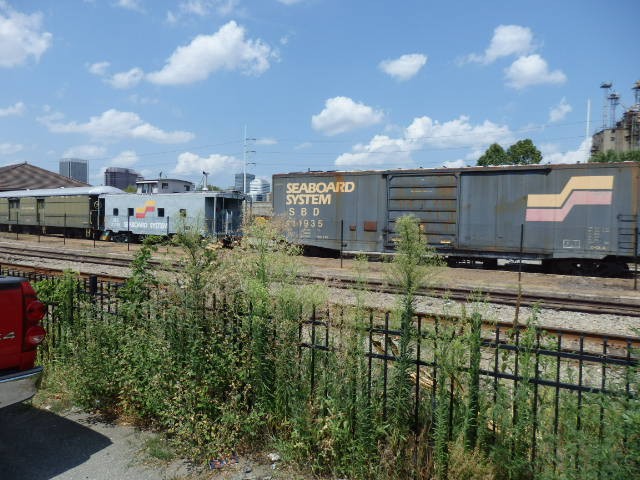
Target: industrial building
[(622, 135), (74, 168)]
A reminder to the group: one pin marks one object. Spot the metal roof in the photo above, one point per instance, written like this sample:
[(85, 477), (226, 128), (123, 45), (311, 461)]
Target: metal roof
[(51, 192), (24, 175)]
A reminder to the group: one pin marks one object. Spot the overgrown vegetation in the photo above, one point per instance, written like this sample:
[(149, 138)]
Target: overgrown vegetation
[(231, 353)]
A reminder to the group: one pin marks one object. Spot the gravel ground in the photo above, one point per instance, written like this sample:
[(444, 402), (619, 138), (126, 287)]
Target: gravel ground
[(479, 280)]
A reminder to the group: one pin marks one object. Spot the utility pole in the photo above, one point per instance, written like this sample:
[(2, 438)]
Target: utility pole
[(245, 151)]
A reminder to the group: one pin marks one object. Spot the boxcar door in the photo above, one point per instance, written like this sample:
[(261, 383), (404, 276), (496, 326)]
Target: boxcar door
[(432, 198)]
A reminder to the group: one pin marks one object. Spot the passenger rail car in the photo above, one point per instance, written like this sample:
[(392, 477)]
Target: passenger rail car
[(70, 211), (580, 218)]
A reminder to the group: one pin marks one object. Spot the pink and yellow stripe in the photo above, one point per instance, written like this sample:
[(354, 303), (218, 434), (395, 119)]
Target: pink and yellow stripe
[(587, 190), (149, 206)]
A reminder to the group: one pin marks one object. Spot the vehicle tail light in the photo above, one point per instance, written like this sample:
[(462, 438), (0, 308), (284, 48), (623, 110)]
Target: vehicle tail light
[(35, 335), (34, 311)]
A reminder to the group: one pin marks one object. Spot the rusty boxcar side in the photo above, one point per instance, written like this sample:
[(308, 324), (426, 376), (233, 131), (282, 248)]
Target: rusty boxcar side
[(571, 217)]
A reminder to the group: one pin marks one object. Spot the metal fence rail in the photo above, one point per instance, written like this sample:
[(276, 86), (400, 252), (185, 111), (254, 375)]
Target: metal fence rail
[(565, 380)]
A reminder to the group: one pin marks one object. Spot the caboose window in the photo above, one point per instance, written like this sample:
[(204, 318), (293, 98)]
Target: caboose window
[(130, 212), (161, 212), (183, 212), (115, 212)]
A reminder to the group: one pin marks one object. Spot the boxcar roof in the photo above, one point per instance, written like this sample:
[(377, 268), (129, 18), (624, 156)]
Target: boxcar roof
[(56, 192), (473, 169)]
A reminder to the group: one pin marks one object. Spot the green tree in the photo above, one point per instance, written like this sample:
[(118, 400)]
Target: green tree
[(494, 155), (611, 156), (523, 152)]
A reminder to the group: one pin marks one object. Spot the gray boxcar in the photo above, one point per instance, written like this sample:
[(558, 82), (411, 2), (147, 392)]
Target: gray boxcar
[(574, 218), (212, 213)]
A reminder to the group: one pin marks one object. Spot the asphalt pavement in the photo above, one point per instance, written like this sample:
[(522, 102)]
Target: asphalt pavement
[(37, 444)]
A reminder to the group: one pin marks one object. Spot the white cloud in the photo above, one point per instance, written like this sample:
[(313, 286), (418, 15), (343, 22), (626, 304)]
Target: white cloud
[(532, 70), (138, 100), (381, 150), (127, 79), (190, 163), (126, 158), (130, 5), (10, 148), (550, 153), (342, 114), (303, 146), (21, 36), (404, 67), (114, 124), (507, 40), (85, 151), (98, 68), (266, 141), (17, 109), (455, 163), (227, 49), (560, 111), (203, 8), (422, 133)]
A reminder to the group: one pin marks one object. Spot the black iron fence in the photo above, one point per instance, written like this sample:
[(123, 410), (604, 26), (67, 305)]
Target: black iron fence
[(559, 391)]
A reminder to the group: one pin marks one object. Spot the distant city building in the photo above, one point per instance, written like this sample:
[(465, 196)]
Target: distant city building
[(239, 178), (74, 168), (259, 188), (164, 185), (120, 177)]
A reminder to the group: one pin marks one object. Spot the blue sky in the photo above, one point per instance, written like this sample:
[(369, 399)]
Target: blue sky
[(319, 84)]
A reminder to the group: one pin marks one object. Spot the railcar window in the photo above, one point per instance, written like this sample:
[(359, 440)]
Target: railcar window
[(161, 212), (183, 212), (165, 185), (130, 212), (14, 203), (115, 212), (40, 203)]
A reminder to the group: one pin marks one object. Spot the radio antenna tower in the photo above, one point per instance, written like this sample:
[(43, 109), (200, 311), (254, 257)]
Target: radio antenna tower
[(606, 87), (205, 181), (614, 98)]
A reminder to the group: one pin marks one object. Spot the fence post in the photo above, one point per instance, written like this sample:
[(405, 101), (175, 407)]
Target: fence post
[(474, 380), (93, 285), (313, 351), (64, 230)]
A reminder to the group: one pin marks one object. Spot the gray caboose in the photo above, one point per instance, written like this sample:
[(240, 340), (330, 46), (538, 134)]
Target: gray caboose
[(215, 214)]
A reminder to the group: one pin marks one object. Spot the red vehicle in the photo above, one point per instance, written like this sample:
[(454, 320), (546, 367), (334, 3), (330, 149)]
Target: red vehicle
[(20, 334)]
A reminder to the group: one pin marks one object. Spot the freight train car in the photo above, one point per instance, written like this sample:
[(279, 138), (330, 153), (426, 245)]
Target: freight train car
[(70, 211), (126, 217), (580, 218)]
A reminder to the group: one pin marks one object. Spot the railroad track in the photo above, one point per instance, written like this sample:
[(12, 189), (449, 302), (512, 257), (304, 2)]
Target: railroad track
[(560, 301), (574, 341)]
